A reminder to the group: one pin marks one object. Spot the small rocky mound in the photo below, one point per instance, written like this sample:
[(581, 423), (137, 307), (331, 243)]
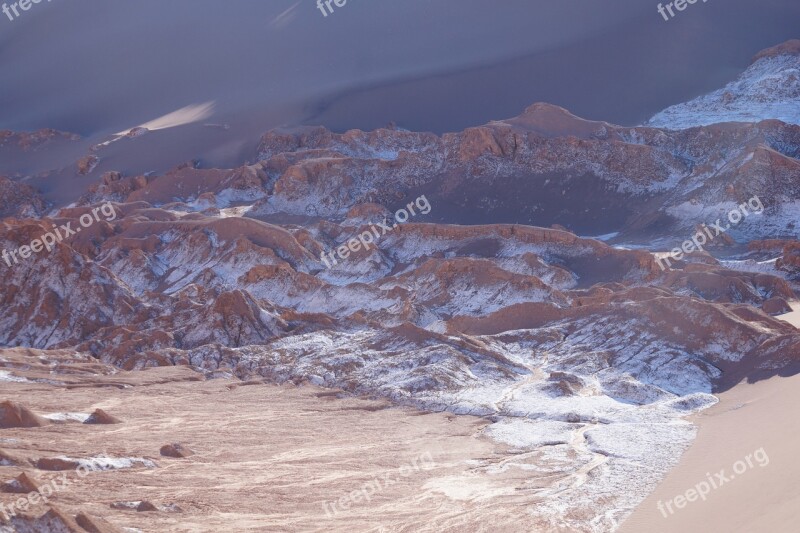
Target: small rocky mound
[(776, 306), (54, 520), (8, 459), (367, 212), (564, 384), (94, 524), (176, 450), (101, 417), (14, 415), (146, 507), (22, 484), (19, 200), (56, 464), (790, 262), (87, 164), (791, 47), (140, 507)]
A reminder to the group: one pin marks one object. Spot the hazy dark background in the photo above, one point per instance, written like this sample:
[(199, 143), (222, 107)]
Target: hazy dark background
[(99, 66)]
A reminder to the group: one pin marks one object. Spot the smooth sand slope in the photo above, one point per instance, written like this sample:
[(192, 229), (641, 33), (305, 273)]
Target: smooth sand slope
[(793, 317), (763, 498)]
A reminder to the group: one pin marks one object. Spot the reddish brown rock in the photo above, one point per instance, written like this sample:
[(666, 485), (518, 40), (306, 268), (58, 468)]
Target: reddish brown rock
[(146, 507), (54, 520), (14, 415), (101, 417), (56, 464), (94, 524), (22, 484), (176, 450), (790, 47), (32, 140), (790, 261), (776, 306), (19, 200), (9, 459), (87, 164)]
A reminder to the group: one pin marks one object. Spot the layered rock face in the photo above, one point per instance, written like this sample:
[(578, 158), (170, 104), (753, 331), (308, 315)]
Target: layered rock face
[(542, 168), (157, 280), (468, 306), (533, 327)]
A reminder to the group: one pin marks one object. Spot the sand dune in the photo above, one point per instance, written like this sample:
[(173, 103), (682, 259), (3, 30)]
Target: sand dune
[(748, 418), (793, 317)]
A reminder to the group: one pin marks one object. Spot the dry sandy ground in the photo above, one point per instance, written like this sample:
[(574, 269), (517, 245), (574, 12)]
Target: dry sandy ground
[(763, 498), (793, 317), (267, 456)]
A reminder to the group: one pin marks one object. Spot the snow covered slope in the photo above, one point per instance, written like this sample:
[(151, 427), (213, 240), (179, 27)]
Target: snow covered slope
[(768, 89)]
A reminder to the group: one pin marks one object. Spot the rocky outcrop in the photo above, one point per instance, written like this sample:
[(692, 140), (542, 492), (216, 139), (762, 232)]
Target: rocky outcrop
[(35, 139), (176, 450), (14, 415), (94, 524), (789, 262), (24, 483), (182, 285), (776, 306), (87, 164), (101, 417), (519, 170), (19, 200)]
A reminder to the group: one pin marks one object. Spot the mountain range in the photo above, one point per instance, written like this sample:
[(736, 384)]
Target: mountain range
[(531, 294)]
